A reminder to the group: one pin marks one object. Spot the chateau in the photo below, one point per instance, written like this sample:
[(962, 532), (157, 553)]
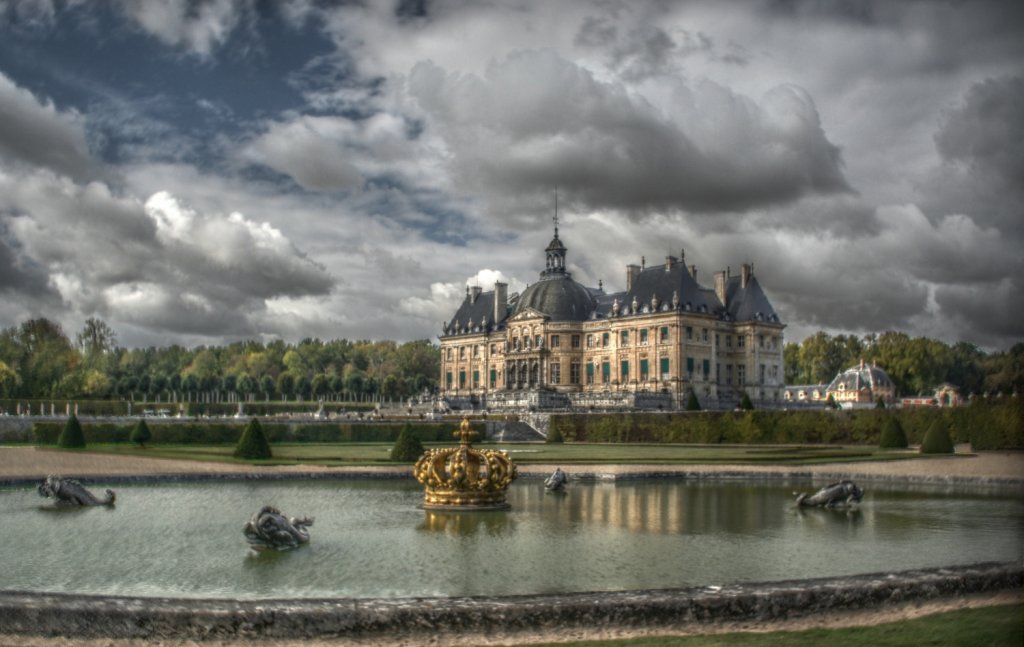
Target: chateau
[(562, 345)]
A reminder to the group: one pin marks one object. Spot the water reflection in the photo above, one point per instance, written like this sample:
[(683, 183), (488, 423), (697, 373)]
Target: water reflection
[(466, 524)]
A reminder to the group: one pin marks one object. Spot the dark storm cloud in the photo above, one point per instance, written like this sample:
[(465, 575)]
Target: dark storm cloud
[(982, 146), (536, 120), (34, 133), (18, 273)]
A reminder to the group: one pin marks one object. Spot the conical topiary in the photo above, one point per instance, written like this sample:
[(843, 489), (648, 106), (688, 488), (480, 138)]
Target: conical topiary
[(554, 435), (140, 433), (937, 440), (892, 436), (72, 435), (745, 402), (408, 447), (692, 403), (253, 444), (880, 403), (831, 402)]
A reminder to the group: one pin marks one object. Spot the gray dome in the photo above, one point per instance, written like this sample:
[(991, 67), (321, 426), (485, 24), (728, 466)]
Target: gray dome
[(559, 297)]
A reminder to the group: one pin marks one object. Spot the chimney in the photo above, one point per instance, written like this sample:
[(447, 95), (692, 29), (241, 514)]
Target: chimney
[(693, 272), (643, 262), (632, 271), (746, 271), (669, 262), (500, 302), (474, 292), (720, 286)]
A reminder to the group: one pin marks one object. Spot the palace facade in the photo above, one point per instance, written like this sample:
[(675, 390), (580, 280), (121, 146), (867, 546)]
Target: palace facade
[(560, 344)]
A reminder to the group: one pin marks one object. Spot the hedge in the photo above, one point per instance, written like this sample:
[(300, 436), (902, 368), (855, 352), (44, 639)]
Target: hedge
[(169, 432), (986, 424), (111, 408)]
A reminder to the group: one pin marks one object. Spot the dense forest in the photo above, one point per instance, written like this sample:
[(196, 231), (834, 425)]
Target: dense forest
[(916, 364), (39, 360)]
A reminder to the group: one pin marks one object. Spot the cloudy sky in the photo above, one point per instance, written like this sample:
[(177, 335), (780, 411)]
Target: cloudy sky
[(198, 172)]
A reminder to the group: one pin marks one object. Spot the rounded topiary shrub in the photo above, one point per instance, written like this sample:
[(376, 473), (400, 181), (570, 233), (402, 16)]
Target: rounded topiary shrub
[(893, 436), (253, 444), (936, 440), (407, 448), (140, 433), (692, 404), (72, 435), (554, 435)]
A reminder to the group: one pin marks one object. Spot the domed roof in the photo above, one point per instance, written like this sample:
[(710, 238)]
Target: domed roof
[(559, 297)]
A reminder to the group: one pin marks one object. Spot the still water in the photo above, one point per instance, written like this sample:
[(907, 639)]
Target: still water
[(371, 540)]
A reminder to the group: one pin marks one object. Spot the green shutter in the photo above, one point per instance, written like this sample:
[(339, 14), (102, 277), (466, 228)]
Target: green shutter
[(643, 369), (606, 369), (707, 367), (664, 366), (448, 379), (624, 369), (590, 369), (689, 365)]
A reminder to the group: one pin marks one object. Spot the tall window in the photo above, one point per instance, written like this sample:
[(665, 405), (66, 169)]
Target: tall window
[(644, 370), (741, 340), (664, 368), (643, 336), (606, 372), (476, 379), (590, 372), (574, 373), (449, 353), (664, 334), (590, 341), (707, 368), (575, 341), (689, 366), (604, 340), (462, 379), (448, 379), (494, 378), (689, 333), (555, 341), (462, 352), (556, 373), (741, 374), (728, 373), (624, 338), (762, 374), (703, 334), (624, 371)]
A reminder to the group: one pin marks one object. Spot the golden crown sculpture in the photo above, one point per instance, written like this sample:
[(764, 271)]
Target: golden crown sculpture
[(463, 477)]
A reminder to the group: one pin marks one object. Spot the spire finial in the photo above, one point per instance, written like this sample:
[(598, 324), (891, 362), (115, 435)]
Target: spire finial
[(556, 212)]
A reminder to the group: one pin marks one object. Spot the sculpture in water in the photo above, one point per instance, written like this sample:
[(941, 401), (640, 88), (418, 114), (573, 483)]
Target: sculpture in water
[(556, 481), (71, 492), (269, 529), (464, 478), (834, 495)]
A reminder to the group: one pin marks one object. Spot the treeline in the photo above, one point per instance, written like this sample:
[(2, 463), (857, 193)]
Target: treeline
[(987, 423), (916, 365), (38, 360)]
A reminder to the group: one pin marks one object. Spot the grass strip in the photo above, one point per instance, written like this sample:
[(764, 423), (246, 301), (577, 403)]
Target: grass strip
[(995, 626)]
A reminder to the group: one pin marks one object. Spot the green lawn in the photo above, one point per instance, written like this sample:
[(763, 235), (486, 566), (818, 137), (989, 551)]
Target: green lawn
[(336, 454), (999, 626)]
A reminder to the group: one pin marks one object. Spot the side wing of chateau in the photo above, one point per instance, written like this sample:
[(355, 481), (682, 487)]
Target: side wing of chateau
[(561, 345)]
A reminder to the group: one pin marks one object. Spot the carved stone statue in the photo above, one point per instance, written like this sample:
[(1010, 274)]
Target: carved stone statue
[(71, 492), (269, 529), (556, 481), (834, 495)]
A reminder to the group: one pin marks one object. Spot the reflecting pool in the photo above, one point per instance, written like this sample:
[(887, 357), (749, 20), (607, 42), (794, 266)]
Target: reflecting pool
[(371, 540)]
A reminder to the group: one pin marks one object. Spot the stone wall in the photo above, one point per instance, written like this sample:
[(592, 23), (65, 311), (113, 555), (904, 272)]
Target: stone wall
[(162, 618)]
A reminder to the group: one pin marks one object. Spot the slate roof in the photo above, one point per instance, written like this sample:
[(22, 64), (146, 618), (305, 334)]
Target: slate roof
[(862, 376), (559, 297), (749, 303), (665, 284), (472, 312)]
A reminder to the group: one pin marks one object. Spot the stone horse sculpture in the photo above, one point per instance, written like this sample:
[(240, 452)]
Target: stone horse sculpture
[(71, 492), (834, 495), (556, 481), (269, 529)]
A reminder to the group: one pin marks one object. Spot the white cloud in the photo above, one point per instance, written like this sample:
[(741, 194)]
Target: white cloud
[(198, 27)]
